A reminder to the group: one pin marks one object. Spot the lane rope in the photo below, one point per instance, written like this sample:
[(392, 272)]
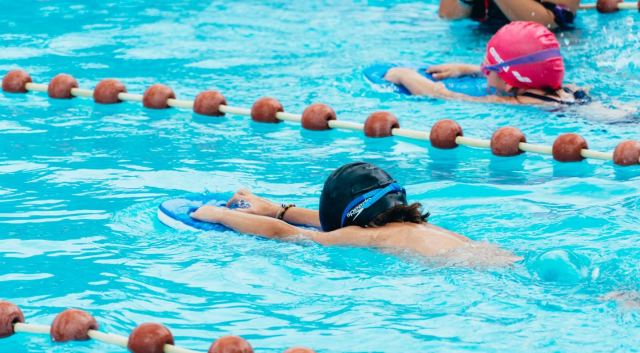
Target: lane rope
[(446, 134), (607, 6), (78, 325)]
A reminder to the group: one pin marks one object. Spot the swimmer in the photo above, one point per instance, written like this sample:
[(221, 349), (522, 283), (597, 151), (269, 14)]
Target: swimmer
[(497, 13), (522, 64), (360, 205)]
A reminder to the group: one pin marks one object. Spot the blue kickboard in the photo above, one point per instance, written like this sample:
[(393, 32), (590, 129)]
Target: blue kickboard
[(470, 85), (175, 213)]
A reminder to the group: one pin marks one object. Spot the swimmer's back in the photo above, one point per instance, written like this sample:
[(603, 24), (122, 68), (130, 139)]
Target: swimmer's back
[(424, 239)]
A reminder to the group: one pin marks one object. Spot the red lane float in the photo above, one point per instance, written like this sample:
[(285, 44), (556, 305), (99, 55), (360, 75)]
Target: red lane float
[(149, 338), (317, 117), (265, 109), (208, 103), (9, 315), (106, 91), (627, 153), (61, 85), (72, 325), (506, 141), (230, 344), (443, 134), (156, 96), (568, 148), (609, 6), (380, 124), (15, 81)]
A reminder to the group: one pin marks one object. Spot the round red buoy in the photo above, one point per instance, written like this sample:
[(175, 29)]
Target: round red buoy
[(9, 315), (15, 81), (149, 338), (264, 110), (230, 344), (607, 6), (106, 91), (627, 153), (72, 325), (568, 147), (506, 140), (380, 124), (156, 96), (61, 85), (299, 350), (208, 103), (317, 116), (443, 134)]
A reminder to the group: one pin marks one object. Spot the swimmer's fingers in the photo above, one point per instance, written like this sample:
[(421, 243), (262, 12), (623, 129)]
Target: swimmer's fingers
[(440, 72), (252, 204), (435, 68), (441, 75), (242, 194)]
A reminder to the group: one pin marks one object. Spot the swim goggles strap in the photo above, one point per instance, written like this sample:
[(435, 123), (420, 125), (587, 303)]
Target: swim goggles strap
[(525, 59), (364, 201)]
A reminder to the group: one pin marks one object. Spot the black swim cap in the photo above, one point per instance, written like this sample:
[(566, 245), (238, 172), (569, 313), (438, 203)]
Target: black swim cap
[(355, 194)]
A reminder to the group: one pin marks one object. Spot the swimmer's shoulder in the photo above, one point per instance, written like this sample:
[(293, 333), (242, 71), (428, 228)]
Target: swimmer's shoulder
[(368, 236)]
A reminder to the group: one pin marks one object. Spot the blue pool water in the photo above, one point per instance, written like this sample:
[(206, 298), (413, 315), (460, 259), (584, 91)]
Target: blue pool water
[(80, 183)]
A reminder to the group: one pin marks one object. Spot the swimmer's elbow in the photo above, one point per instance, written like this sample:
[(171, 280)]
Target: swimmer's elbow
[(447, 14), (444, 14), (453, 12)]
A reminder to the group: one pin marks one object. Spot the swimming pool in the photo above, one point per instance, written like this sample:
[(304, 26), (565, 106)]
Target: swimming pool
[(80, 183)]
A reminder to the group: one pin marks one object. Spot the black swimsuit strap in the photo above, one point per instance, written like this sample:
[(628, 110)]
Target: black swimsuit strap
[(543, 98), (580, 96)]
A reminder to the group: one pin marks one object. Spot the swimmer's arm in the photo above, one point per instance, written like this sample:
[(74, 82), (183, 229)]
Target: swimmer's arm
[(443, 71), (263, 207), (418, 84), (247, 223), (453, 9), (272, 228), (304, 216), (531, 10), (422, 86)]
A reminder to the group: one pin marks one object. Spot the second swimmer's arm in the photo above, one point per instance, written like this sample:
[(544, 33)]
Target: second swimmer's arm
[(418, 84)]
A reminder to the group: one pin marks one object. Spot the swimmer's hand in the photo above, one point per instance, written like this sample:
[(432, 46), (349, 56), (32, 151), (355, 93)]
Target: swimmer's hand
[(257, 205), (208, 213), (440, 72)]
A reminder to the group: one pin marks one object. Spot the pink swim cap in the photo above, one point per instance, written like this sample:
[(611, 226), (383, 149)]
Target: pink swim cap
[(532, 55)]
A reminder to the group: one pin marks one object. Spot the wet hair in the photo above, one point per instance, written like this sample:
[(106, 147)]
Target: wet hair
[(401, 213)]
